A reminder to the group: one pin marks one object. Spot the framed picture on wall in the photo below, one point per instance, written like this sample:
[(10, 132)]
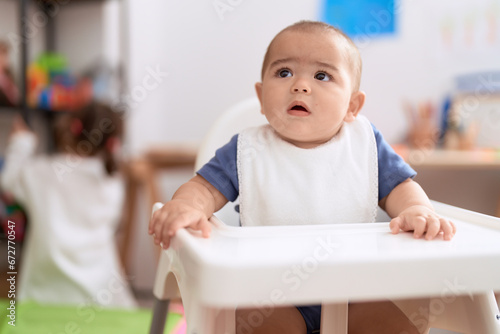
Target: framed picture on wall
[(361, 18)]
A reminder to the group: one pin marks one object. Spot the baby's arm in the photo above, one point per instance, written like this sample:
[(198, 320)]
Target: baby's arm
[(191, 206), (411, 210)]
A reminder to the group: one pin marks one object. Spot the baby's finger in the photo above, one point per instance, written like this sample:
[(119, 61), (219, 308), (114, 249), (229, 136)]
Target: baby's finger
[(419, 225), (185, 220), (205, 227), (189, 219), (157, 217), (395, 225), (448, 228), (453, 227), (156, 222), (158, 230), (433, 228), (151, 222), (165, 238)]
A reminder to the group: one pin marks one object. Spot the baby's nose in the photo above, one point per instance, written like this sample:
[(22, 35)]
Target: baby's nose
[(301, 86)]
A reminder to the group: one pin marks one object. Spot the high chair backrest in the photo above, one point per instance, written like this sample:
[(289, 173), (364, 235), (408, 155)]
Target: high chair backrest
[(243, 115)]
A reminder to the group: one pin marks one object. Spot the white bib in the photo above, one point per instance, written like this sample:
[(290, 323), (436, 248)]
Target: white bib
[(281, 184)]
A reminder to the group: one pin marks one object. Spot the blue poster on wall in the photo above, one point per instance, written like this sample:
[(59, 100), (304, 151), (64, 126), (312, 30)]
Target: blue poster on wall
[(361, 17)]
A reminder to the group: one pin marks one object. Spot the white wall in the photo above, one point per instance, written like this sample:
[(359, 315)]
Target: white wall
[(8, 21), (212, 63)]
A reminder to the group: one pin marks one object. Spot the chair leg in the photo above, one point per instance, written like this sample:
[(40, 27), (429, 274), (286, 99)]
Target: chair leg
[(200, 319), (159, 316)]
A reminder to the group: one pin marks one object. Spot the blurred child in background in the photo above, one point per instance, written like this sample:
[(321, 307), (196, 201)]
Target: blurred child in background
[(74, 200)]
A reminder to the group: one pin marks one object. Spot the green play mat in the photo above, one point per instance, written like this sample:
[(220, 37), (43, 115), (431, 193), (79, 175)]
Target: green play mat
[(33, 318)]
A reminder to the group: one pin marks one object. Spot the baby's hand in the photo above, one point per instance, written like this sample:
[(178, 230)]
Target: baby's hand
[(422, 221), (174, 215)]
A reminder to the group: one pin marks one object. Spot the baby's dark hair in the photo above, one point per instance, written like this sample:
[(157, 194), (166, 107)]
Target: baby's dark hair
[(94, 130)]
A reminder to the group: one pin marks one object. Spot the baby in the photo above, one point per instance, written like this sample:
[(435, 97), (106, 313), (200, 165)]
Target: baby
[(316, 162)]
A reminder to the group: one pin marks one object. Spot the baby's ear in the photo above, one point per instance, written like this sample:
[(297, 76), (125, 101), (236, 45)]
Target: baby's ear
[(258, 90), (355, 105)]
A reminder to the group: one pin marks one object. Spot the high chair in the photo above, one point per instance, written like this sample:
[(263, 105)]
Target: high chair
[(251, 267), (242, 115)]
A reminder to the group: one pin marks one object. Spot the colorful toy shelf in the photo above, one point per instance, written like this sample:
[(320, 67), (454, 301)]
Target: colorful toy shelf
[(52, 79), (47, 83)]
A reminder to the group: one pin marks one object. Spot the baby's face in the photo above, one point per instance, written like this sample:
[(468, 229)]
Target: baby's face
[(306, 89)]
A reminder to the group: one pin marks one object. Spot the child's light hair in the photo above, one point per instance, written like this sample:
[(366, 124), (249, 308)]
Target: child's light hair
[(351, 51)]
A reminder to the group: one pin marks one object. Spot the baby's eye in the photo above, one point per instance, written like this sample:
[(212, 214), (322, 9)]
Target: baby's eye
[(323, 76), (284, 73)]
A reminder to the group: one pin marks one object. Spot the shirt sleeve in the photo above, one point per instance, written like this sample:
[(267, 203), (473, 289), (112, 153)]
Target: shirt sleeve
[(221, 170), (19, 152), (392, 169)]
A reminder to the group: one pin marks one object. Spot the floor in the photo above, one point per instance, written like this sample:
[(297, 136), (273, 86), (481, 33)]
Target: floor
[(144, 297)]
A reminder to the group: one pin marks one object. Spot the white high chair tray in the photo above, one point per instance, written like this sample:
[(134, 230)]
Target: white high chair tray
[(262, 266)]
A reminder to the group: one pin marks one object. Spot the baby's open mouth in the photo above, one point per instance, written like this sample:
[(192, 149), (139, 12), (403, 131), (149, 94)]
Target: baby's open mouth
[(298, 110)]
